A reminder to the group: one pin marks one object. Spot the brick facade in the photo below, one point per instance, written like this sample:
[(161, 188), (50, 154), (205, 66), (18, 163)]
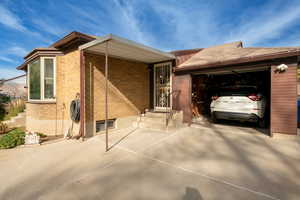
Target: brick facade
[(128, 93), (54, 118)]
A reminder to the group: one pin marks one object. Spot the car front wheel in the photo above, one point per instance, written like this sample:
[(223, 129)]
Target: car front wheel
[(214, 118)]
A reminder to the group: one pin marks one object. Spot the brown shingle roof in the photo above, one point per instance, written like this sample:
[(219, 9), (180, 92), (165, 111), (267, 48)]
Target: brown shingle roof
[(183, 55), (71, 36), (56, 47), (229, 53)]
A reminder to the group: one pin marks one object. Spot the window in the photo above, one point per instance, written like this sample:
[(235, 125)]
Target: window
[(41, 79), (100, 125)]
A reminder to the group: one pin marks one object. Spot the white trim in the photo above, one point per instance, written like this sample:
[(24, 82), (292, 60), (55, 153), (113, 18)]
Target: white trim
[(54, 78), (154, 85), (109, 37), (42, 80)]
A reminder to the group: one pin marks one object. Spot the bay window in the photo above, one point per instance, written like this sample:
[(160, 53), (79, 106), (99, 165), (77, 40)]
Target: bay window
[(41, 79)]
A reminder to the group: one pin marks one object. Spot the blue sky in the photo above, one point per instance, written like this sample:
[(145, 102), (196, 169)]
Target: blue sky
[(164, 24)]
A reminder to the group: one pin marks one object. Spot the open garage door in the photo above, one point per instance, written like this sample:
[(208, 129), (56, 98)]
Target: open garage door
[(232, 97)]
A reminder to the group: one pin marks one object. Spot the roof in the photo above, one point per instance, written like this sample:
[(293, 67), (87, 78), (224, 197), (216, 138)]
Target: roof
[(50, 51), (126, 49), (55, 49), (71, 36), (40, 49), (185, 51), (184, 55), (233, 53)]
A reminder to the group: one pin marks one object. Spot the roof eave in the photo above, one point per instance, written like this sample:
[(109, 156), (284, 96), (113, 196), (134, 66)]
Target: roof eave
[(239, 61), (70, 37), (100, 40)]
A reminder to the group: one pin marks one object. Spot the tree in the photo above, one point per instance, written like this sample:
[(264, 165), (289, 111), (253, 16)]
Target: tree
[(2, 81)]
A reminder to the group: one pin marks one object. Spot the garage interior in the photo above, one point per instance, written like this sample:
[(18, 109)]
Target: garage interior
[(206, 84)]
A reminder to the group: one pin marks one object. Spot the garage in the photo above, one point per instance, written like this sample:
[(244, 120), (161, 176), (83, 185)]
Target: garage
[(231, 71), (234, 97)]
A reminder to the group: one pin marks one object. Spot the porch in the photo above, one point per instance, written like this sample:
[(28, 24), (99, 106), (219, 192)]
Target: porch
[(120, 79)]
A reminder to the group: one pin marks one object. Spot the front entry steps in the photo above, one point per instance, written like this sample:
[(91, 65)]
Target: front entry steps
[(157, 121)]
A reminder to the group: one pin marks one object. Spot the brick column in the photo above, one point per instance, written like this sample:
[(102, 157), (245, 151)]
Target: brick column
[(284, 100)]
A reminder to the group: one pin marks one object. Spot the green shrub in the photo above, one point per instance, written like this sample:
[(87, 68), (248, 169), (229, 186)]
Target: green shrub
[(42, 135), (14, 110), (4, 98), (3, 128), (12, 139)]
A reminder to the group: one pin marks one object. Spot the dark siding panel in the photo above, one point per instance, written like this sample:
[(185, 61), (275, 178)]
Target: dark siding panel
[(182, 101), (284, 100)]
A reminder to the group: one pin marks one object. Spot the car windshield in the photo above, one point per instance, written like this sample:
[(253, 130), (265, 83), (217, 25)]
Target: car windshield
[(237, 91)]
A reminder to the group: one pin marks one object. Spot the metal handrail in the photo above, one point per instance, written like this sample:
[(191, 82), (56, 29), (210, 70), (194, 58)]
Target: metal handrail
[(169, 113)]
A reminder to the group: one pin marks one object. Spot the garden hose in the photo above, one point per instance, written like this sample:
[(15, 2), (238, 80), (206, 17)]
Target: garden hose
[(75, 110)]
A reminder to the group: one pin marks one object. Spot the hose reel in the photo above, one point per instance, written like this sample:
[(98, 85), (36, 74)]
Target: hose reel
[(75, 109)]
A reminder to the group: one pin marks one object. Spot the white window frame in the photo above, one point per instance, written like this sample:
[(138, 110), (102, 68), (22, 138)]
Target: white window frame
[(42, 80)]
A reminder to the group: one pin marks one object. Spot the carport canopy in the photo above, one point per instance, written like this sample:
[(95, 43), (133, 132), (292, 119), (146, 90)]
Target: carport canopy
[(126, 49)]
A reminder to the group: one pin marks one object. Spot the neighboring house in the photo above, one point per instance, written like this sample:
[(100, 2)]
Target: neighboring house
[(142, 78)]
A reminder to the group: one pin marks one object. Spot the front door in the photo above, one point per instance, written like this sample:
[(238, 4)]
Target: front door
[(162, 86)]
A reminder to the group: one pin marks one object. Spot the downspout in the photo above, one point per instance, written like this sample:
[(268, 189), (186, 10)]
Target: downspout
[(82, 95)]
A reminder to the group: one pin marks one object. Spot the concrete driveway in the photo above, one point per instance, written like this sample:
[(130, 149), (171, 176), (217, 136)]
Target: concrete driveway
[(221, 162)]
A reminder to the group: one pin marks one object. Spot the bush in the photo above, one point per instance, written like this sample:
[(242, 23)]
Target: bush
[(3, 128), (4, 98), (12, 139), (42, 135), (14, 108)]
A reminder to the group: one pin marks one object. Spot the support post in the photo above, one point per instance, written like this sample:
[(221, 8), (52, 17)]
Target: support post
[(106, 96), (82, 95)]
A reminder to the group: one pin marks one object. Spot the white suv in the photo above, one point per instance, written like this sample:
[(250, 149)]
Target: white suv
[(241, 103)]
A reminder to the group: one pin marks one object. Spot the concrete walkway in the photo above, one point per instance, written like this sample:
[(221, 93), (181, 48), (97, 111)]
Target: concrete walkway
[(191, 163)]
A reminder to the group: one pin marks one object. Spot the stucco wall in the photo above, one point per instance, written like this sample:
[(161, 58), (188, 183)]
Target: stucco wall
[(54, 118)]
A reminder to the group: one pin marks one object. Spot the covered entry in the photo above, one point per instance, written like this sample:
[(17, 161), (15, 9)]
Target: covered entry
[(115, 81)]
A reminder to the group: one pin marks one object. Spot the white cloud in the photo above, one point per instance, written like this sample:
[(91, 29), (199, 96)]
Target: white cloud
[(267, 25), (190, 27), (9, 19), (126, 16), (9, 72), (202, 25), (7, 59), (47, 25), (17, 51), (14, 51)]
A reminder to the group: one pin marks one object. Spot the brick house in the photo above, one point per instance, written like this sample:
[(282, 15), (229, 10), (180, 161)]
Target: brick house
[(141, 79)]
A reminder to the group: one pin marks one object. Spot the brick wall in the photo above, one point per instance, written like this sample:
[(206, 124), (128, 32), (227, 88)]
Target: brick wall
[(54, 118), (284, 100), (128, 92)]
